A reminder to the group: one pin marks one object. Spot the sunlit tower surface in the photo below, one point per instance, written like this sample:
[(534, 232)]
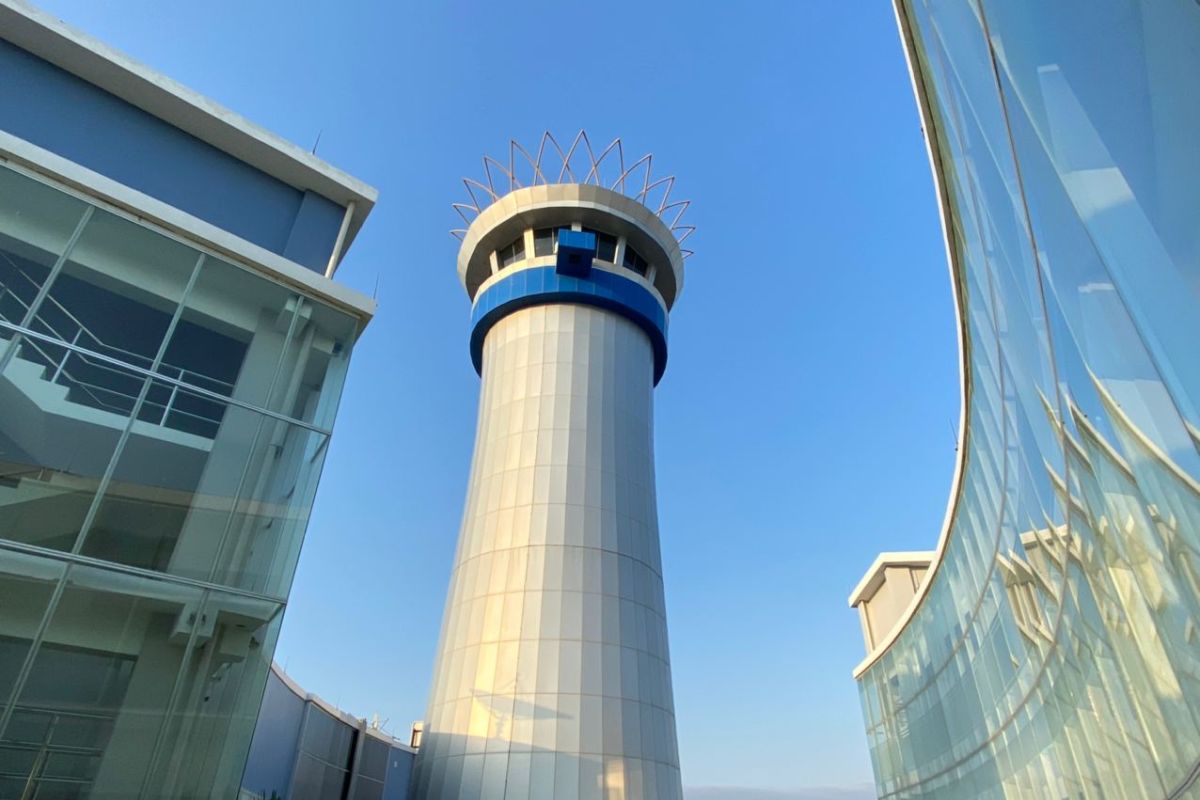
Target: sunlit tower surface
[(553, 677)]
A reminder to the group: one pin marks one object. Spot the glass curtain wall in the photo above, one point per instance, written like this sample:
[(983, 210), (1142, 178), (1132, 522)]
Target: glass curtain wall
[(1057, 652), (163, 421)]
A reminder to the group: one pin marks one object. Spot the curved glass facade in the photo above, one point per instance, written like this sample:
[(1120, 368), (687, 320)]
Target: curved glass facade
[(1056, 650)]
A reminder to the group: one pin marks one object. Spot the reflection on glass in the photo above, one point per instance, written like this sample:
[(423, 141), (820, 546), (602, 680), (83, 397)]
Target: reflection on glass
[(49, 473), (117, 291), (511, 253), (36, 225), (1055, 651), (606, 245), (165, 417), (544, 241)]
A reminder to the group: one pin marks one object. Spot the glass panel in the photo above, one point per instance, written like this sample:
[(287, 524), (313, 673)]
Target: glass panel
[(117, 293), (245, 337), (141, 685), (36, 223), (634, 261), (544, 241), (210, 491), (240, 335), (27, 583), (57, 437), (606, 245), (1065, 606), (512, 253)]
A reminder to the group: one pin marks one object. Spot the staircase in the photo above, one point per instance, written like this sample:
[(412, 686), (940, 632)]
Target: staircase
[(69, 382)]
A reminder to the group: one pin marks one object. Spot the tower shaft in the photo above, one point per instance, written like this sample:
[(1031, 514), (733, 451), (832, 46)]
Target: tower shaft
[(553, 677)]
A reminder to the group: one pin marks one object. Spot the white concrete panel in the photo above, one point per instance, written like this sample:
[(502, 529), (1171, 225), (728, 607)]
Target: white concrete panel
[(552, 677)]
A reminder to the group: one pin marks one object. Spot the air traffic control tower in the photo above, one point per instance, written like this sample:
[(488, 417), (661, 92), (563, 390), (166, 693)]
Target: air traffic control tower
[(553, 678)]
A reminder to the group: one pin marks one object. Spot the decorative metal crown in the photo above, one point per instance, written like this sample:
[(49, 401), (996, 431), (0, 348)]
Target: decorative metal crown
[(634, 181)]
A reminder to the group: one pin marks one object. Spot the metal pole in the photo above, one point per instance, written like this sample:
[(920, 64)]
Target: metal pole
[(170, 403), (360, 741), (336, 255), (63, 363), (31, 310)]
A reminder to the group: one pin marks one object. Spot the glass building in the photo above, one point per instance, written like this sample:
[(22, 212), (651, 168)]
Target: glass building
[(172, 351), (1053, 648)]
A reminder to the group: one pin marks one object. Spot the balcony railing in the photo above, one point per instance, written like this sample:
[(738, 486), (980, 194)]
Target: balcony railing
[(97, 384)]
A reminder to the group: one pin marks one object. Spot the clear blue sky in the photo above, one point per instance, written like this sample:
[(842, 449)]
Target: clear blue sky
[(807, 414)]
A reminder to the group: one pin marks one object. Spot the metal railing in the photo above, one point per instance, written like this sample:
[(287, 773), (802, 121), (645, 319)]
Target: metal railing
[(107, 387)]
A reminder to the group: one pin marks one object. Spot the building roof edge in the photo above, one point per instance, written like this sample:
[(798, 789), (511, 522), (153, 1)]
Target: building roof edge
[(52, 40), (872, 579)]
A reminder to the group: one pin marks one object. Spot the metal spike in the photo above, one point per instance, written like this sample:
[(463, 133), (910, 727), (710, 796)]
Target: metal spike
[(625, 174), (537, 165), (593, 174), (565, 169), (682, 205), (461, 208), (533, 164), (488, 162), (615, 143), (469, 182), (571, 153)]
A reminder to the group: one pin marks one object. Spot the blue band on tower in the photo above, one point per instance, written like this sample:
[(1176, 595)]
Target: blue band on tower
[(539, 286)]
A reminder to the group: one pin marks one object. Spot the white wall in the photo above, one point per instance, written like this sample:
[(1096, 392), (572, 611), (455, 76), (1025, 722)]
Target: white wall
[(553, 678)]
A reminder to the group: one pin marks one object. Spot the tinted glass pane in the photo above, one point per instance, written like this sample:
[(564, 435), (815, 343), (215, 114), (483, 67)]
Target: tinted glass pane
[(26, 585), (36, 223), (210, 491), (105, 675), (543, 241), (57, 437), (117, 293), (512, 253), (606, 245), (240, 335), (634, 261)]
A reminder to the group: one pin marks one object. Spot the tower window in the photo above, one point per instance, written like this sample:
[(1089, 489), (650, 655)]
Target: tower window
[(634, 261), (544, 240), (512, 253), (606, 246)]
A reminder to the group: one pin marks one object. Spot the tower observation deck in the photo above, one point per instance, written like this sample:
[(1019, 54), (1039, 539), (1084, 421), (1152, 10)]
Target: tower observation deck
[(553, 675)]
